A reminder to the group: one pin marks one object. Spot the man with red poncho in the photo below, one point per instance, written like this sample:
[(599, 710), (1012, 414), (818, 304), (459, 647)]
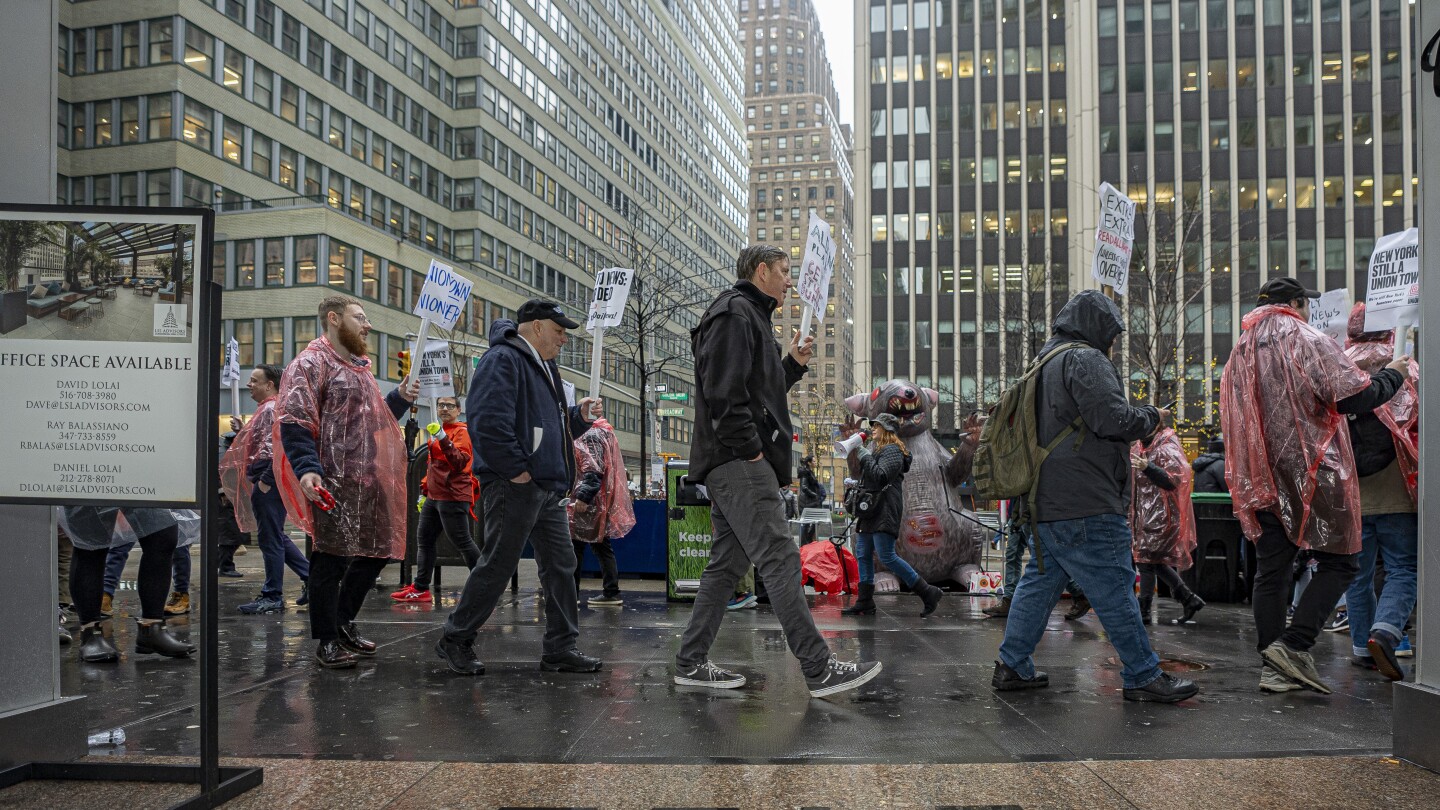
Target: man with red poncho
[(1291, 470), (601, 510), (1162, 522), (1387, 462), (342, 473)]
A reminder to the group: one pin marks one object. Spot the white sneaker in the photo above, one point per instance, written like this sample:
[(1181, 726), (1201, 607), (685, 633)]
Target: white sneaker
[(1272, 681)]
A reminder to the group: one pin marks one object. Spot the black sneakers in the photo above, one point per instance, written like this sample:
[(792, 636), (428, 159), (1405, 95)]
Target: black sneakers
[(1006, 679), (710, 676), (839, 676), (573, 661), (1382, 649), (1164, 689), (459, 657)]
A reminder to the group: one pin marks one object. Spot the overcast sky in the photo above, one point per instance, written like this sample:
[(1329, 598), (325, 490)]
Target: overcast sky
[(837, 20)]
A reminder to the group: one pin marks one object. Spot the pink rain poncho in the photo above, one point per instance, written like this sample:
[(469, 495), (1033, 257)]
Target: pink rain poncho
[(1288, 452), (362, 451), (252, 444), (1162, 522), (1372, 351), (611, 515)]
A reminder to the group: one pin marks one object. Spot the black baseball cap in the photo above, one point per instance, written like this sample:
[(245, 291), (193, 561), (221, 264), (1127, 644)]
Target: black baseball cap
[(1283, 290), (538, 309)]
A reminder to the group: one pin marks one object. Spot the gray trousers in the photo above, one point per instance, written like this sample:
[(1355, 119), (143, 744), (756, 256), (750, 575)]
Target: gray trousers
[(515, 513), (749, 525)]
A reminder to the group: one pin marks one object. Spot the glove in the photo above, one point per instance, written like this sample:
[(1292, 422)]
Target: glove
[(433, 428), (420, 504)]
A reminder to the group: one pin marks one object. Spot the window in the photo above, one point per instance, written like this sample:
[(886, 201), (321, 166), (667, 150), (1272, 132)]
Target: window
[(289, 164), (130, 45), (305, 257), (1275, 195), (878, 231), (289, 102), (275, 341), (234, 72), (274, 262), (342, 265), (232, 141), (370, 276), (245, 336), (104, 49), (160, 109), (199, 49), (922, 174), (157, 188), (198, 121), (162, 42), (245, 264), (263, 87), (129, 120), (260, 153)]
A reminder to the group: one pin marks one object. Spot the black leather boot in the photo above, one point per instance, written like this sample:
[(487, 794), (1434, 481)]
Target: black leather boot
[(330, 655), (1192, 602), (864, 604), (350, 639), (1145, 605), (154, 638), (94, 647), (999, 610), (929, 594)]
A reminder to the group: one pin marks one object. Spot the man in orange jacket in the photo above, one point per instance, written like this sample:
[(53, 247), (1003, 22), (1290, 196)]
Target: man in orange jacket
[(449, 489)]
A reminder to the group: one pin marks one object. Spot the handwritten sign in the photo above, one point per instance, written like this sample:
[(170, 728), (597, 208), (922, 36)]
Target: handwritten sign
[(1114, 240), (1392, 295), (817, 267), (612, 290), (435, 372), (1330, 313), (444, 295)]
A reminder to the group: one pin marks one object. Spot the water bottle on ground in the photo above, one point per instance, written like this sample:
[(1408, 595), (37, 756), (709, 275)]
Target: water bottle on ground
[(107, 739)]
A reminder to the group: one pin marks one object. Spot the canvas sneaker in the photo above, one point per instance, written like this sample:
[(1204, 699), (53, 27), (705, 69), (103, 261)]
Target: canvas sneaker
[(1295, 665), (710, 676), (1339, 622), (606, 601), (839, 676), (1403, 649), (1272, 681)]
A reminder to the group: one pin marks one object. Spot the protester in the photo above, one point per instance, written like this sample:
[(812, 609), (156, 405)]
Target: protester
[(92, 531), (1209, 467), (1081, 505), (523, 430), (1291, 470), (601, 509), (741, 453), (449, 488), (882, 467), (1162, 521), (1387, 464), (247, 472), (342, 473), (1017, 542)]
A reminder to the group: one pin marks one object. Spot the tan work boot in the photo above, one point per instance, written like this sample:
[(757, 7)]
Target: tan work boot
[(106, 603), (178, 604)]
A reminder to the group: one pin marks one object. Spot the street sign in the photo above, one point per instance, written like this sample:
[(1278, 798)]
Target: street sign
[(671, 411), (659, 389), (678, 396)]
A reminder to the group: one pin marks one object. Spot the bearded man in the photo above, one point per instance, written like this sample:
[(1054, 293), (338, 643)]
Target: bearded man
[(342, 473)]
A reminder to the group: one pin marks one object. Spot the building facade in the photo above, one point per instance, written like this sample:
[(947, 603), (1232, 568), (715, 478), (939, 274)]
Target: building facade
[(800, 164), (347, 143), (1259, 138)]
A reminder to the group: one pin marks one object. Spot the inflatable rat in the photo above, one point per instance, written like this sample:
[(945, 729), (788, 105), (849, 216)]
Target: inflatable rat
[(936, 542)]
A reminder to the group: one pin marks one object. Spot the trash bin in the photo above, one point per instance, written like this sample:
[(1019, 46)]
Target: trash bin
[(1219, 572)]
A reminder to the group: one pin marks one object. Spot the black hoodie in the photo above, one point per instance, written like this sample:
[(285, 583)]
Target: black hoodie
[(1094, 478)]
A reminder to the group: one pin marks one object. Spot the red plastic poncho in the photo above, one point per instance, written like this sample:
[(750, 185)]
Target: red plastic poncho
[(1372, 351), (1287, 451), (361, 450), (1162, 522), (253, 443), (611, 515), (821, 566)]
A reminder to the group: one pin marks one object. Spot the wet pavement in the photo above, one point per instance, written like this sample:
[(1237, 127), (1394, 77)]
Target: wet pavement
[(932, 704)]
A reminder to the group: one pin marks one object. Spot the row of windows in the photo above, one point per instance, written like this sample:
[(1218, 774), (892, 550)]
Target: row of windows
[(904, 121), (916, 67), (1033, 168), (1222, 17), (1242, 73), (1298, 131), (897, 227), (899, 17)]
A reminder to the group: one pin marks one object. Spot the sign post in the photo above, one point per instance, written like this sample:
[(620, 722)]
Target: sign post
[(1114, 240), (816, 269), (1392, 291), (434, 371), (607, 308), (442, 300)]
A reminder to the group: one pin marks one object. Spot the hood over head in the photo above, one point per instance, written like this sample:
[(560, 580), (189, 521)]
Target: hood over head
[(1357, 328), (502, 330), (1092, 318)]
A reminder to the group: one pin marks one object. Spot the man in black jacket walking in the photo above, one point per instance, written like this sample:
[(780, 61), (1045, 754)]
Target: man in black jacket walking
[(1082, 506), (741, 452)]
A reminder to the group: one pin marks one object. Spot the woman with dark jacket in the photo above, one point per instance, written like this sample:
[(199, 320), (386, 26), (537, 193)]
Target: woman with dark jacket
[(1209, 468), (882, 471)]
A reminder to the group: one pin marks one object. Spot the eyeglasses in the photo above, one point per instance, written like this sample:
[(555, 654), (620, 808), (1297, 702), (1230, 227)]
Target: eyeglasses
[(447, 406)]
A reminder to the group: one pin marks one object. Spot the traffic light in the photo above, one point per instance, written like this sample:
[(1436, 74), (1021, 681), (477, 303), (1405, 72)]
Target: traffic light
[(404, 357)]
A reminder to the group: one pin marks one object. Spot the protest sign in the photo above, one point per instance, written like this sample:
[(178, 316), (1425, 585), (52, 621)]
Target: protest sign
[(1392, 291), (1330, 313), (230, 375), (816, 268), (435, 372), (1114, 240), (607, 308), (444, 295)]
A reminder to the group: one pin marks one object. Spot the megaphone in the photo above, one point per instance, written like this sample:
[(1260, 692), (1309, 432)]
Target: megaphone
[(844, 448)]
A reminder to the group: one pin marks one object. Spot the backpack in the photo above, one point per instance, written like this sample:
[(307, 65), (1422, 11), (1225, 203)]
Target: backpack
[(1009, 455)]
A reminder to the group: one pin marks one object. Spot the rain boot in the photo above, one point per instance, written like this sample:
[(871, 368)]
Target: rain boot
[(1192, 604), (94, 647), (864, 604), (929, 594), (1145, 605), (154, 638)]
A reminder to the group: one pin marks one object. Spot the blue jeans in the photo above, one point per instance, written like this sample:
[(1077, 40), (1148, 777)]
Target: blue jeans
[(1096, 552), (115, 561), (880, 544), (180, 570), (276, 547), (1016, 542), (1396, 539)]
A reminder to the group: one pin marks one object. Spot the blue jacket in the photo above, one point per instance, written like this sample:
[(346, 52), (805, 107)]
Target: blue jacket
[(518, 417)]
